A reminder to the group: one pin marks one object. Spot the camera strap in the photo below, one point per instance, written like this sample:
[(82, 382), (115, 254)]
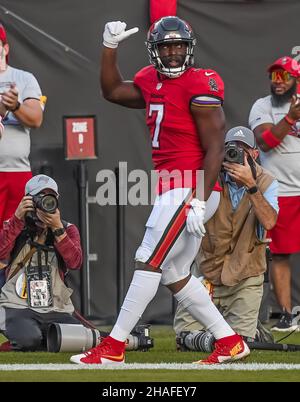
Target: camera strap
[(41, 240), (40, 269), (38, 279), (252, 167)]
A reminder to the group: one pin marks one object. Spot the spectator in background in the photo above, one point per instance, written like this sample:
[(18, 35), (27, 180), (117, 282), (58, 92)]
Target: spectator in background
[(34, 294), (21, 97), (275, 120), (232, 256), (3, 111)]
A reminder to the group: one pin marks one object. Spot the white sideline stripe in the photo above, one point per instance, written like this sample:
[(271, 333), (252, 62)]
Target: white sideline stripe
[(151, 366)]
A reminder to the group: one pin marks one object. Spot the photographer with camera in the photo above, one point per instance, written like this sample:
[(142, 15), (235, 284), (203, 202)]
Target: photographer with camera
[(232, 257), (38, 248)]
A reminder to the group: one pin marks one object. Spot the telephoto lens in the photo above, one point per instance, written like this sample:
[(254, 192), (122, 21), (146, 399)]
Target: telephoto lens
[(78, 338), (202, 341), (71, 338)]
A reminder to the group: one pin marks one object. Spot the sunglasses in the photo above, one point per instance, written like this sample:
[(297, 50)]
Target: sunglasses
[(280, 75)]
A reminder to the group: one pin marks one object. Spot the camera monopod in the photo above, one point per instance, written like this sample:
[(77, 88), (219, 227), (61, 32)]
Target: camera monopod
[(285, 347)]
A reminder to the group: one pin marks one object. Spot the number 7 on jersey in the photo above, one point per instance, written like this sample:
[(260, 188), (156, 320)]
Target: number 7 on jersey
[(159, 109)]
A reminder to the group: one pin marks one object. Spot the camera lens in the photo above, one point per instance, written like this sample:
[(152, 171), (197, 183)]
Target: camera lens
[(49, 203), (71, 338), (132, 342), (232, 154), (197, 340)]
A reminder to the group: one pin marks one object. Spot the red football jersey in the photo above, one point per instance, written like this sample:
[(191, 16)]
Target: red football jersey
[(175, 141)]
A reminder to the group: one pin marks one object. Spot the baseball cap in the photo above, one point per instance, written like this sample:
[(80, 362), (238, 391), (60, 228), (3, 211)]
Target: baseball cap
[(242, 134), (40, 182), (3, 36), (288, 64)]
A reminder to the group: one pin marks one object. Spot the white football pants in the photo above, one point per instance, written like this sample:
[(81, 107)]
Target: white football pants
[(167, 244)]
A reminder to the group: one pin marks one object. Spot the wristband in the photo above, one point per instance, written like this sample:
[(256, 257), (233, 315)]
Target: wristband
[(252, 190), (17, 107), (59, 232), (289, 121), (270, 139)]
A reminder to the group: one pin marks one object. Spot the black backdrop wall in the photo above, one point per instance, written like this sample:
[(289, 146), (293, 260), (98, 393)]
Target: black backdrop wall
[(60, 42)]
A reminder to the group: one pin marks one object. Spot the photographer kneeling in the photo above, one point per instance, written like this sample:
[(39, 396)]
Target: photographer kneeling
[(38, 249), (232, 257)]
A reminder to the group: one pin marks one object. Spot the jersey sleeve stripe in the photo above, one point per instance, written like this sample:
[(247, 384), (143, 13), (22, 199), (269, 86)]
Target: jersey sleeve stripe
[(206, 100), (206, 104)]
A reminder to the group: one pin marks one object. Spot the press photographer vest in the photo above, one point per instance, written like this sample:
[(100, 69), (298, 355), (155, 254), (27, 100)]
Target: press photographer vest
[(61, 293), (231, 250)]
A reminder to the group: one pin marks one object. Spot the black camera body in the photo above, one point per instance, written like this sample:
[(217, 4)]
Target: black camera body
[(234, 153), (139, 339), (46, 202)]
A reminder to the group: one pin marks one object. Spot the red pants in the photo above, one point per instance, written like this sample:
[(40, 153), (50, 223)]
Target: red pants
[(12, 190), (286, 233)]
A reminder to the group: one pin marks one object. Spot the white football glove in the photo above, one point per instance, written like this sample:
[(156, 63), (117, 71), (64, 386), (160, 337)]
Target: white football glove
[(114, 33), (195, 218)]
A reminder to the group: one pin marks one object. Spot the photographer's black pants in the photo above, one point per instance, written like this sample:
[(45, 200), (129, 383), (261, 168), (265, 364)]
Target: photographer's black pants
[(26, 329)]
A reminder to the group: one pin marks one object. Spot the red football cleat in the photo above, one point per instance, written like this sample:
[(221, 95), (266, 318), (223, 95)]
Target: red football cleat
[(109, 351), (228, 349)]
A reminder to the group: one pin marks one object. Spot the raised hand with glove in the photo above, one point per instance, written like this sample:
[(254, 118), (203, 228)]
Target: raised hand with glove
[(195, 218), (115, 32)]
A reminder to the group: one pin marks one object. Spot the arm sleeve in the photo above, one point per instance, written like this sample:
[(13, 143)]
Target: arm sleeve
[(206, 88), (8, 235), (136, 80), (32, 88), (259, 114), (271, 195), (70, 248), (139, 77)]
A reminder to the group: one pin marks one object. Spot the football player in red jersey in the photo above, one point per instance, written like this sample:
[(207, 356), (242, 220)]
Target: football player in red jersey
[(186, 121)]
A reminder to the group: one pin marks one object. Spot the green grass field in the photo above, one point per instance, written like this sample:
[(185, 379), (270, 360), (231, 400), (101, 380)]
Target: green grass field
[(164, 351)]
